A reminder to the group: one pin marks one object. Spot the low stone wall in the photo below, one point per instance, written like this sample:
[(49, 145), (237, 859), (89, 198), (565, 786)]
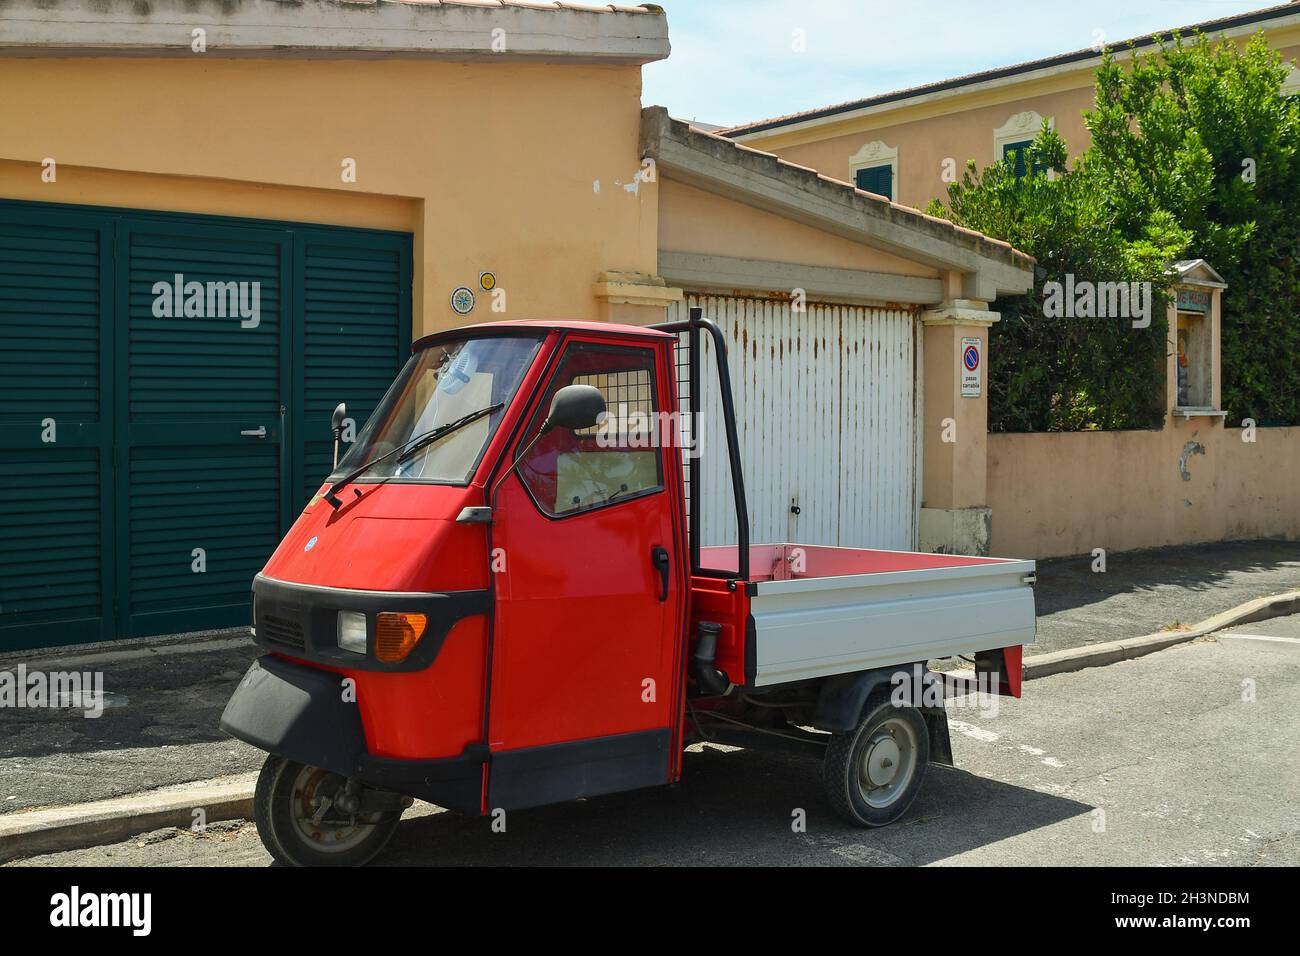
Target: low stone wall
[(1056, 494)]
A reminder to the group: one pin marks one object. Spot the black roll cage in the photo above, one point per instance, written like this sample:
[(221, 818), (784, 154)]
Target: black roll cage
[(692, 327)]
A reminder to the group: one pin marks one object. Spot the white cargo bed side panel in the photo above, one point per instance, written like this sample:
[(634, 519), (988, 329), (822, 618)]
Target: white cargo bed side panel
[(819, 631)]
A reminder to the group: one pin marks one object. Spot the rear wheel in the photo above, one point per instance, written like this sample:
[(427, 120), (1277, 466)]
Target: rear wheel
[(872, 774), (307, 816)]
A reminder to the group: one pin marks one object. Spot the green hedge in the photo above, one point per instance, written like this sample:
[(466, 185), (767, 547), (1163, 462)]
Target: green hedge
[(1056, 373)]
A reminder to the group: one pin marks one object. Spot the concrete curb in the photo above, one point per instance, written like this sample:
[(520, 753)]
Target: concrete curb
[(24, 834), (1098, 655), (31, 833)]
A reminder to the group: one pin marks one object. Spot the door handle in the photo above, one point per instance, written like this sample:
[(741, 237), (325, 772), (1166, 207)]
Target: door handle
[(659, 558), (258, 432)]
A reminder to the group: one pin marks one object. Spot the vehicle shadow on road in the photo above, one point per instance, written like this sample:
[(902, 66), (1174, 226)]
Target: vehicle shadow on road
[(1066, 583), (737, 807), (1143, 592)]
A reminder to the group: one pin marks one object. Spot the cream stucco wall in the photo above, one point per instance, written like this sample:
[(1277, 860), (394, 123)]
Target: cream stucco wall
[(82, 185), (1068, 493), (692, 220), (925, 143), (954, 429), (490, 165)]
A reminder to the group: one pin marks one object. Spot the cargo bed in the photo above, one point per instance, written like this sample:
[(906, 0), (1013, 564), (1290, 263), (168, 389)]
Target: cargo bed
[(819, 611)]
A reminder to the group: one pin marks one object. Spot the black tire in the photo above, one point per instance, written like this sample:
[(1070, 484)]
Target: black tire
[(860, 758), (281, 823)]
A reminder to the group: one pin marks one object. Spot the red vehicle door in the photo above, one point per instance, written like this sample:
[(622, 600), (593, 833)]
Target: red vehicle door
[(589, 586)]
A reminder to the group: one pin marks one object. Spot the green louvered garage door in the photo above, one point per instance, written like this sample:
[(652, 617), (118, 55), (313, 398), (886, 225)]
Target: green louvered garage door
[(160, 442), (353, 294), (55, 429)]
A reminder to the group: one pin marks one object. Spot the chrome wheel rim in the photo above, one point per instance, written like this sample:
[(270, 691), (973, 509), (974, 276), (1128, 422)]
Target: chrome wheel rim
[(887, 763)]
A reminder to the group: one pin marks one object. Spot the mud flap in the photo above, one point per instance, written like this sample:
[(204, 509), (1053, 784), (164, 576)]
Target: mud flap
[(936, 721), (1003, 667)]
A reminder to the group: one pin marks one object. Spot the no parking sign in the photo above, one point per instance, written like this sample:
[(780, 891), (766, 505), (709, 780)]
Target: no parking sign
[(970, 368)]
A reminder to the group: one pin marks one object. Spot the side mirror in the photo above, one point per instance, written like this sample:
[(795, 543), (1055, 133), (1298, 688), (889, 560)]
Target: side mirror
[(336, 425), (574, 407)]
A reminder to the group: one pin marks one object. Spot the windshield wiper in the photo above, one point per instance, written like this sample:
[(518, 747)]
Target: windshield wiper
[(407, 449)]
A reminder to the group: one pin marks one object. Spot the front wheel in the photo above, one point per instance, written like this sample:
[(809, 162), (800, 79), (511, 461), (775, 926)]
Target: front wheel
[(301, 817), (872, 773)]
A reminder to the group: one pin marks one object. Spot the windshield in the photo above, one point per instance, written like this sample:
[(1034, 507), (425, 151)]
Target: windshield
[(438, 385)]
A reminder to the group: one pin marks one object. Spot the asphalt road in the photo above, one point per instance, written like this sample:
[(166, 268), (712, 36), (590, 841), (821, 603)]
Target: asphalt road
[(159, 727), (1142, 592), (1188, 756)]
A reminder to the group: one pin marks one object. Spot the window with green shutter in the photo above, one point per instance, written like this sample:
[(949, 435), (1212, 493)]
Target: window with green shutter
[(1021, 154), (877, 179)]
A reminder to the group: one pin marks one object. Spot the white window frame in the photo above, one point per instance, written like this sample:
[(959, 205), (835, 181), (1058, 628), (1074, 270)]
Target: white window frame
[(1020, 127), (1291, 85), (873, 155)]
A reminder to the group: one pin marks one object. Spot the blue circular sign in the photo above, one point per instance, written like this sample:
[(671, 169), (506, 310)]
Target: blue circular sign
[(462, 301), (971, 357)]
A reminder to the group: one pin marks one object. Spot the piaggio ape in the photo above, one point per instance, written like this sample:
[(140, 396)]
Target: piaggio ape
[(500, 600)]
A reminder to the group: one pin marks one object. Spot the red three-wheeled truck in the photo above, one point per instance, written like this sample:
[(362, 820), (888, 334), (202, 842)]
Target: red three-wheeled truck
[(500, 599)]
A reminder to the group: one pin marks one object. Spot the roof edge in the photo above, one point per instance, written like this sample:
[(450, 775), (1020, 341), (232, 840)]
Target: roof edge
[(338, 29), (766, 181), (955, 84)]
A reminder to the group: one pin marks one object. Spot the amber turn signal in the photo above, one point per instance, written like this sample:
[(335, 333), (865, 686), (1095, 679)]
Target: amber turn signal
[(396, 634)]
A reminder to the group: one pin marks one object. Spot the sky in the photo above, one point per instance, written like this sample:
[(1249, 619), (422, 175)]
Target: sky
[(735, 61)]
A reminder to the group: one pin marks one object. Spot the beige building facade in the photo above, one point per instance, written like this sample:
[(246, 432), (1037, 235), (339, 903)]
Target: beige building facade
[(925, 136)]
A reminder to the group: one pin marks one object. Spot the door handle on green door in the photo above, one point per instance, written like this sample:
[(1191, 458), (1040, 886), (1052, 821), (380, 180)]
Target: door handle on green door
[(258, 432), (659, 558)]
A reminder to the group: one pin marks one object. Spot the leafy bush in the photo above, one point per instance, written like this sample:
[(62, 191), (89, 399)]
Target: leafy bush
[(1068, 374), (1200, 130)]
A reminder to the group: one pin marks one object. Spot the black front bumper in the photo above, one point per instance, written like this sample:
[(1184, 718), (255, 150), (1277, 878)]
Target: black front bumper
[(302, 620), (296, 712), (302, 714)]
